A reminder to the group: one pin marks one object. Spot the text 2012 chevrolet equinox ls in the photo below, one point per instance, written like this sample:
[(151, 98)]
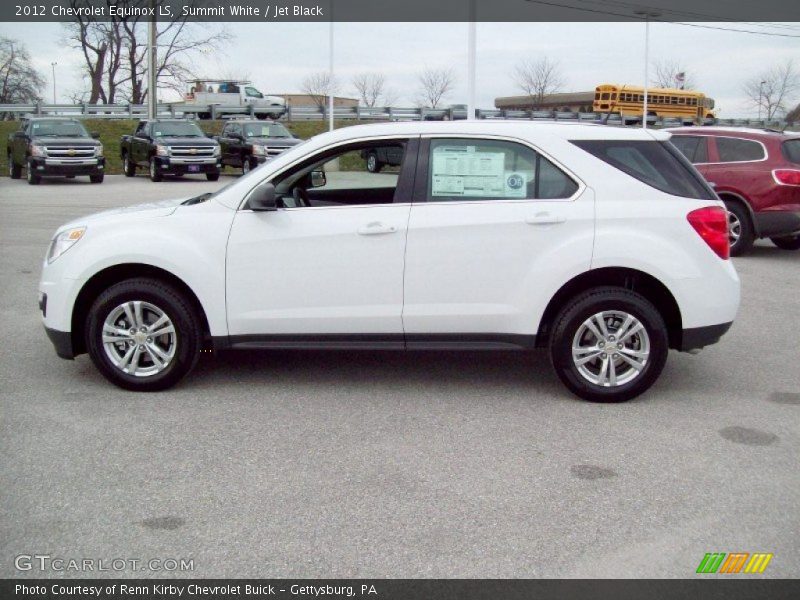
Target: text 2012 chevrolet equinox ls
[(602, 245)]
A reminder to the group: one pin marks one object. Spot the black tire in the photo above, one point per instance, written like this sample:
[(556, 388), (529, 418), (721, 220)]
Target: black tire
[(155, 173), (33, 178), (246, 165), (739, 217), (14, 170), (128, 166), (571, 319), (97, 178), (275, 116), (212, 176), (188, 332), (261, 116), (373, 164), (789, 242)]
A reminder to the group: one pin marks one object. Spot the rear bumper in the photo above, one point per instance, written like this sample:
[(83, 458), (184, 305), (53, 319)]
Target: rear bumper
[(699, 337), (776, 223), (56, 166), (62, 342)]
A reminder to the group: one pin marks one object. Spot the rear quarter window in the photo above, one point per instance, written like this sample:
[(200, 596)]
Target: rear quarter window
[(739, 150), (791, 150), (657, 164)]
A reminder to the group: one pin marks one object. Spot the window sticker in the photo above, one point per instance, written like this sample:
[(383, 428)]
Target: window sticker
[(468, 172)]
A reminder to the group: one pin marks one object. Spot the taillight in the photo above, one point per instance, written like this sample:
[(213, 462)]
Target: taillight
[(711, 224), (787, 176)]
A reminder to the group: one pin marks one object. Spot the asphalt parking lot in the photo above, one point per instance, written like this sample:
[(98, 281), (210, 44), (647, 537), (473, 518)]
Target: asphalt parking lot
[(369, 464)]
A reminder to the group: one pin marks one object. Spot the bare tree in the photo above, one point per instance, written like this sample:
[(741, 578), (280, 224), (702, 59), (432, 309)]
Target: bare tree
[(793, 116), (115, 51), (19, 80), (773, 89), (319, 86), (434, 85), (672, 74), (538, 78), (372, 91)]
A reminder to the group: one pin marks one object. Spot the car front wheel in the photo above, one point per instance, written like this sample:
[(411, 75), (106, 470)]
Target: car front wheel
[(609, 345), (155, 173), (789, 242), (143, 335)]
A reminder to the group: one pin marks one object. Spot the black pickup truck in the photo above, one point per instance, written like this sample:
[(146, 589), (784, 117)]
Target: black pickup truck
[(170, 147), (48, 146), (248, 143)]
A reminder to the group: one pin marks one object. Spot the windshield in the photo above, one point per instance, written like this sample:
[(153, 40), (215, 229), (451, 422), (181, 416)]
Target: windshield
[(273, 130), (176, 129), (58, 128)]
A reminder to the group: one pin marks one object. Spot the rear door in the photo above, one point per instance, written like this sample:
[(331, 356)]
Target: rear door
[(494, 222)]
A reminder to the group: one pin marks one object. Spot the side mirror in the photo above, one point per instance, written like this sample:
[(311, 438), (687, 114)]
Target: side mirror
[(318, 178), (95, 135), (19, 134), (263, 198)]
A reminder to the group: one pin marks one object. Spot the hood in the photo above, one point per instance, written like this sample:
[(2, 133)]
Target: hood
[(275, 142), (184, 141), (46, 140), (162, 208)]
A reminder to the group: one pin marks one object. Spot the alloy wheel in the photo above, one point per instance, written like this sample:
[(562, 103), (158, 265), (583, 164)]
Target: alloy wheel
[(139, 338)]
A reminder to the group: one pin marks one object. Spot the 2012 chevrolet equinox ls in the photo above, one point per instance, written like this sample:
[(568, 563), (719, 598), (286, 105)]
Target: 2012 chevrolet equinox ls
[(601, 244)]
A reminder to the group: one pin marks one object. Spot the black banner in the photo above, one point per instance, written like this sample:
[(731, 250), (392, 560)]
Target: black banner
[(733, 588), (405, 10)]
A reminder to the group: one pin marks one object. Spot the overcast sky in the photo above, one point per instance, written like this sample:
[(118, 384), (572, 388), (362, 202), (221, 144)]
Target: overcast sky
[(276, 56)]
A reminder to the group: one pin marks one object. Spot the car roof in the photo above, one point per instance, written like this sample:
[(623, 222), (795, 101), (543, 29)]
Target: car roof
[(745, 132), (511, 128)]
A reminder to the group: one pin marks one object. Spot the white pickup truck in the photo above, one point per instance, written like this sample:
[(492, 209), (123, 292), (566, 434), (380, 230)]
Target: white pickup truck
[(226, 94)]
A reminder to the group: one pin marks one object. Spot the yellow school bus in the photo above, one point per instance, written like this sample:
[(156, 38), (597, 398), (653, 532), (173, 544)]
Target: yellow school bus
[(628, 100)]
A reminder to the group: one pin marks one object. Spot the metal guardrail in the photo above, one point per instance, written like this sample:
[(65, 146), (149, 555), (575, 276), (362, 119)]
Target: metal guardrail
[(361, 113)]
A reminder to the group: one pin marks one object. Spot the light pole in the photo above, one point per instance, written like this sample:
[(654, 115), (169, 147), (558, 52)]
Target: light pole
[(647, 16), (330, 74), (471, 42), (53, 65), (152, 68), (760, 96)]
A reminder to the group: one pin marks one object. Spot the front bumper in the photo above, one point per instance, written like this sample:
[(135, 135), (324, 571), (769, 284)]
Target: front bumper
[(62, 341), (776, 223), (183, 166), (68, 166)]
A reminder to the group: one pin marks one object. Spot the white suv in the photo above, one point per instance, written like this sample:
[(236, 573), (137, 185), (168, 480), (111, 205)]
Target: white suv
[(602, 245)]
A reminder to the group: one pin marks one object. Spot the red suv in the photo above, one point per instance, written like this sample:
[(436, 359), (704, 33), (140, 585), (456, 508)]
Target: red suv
[(756, 173)]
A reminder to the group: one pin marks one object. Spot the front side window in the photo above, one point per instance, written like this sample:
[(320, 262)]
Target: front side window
[(345, 178), (739, 150), (657, 164), (472, 169), (693, 147), (253, 92)]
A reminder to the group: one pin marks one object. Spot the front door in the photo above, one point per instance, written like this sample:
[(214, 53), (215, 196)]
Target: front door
[(326, 267)]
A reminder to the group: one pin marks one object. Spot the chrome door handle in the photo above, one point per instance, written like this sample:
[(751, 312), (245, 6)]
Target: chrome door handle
[(545, 219), (376, 229)]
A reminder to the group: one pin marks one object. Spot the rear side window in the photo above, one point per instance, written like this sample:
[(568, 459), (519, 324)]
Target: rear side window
[(739, 150), (692, 147), (791, 150), (475, 169), (658, 164)]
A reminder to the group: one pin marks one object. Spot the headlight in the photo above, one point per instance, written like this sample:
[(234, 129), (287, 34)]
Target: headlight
[(259, 150), (98, 151), (38, 150), (63, 242), (162, 150), (217, 151)]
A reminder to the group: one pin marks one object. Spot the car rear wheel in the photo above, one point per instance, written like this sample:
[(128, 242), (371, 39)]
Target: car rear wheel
[(789, 242), (740, 229), (14, 170), (155, 174), (142, 334), (609, 345)]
